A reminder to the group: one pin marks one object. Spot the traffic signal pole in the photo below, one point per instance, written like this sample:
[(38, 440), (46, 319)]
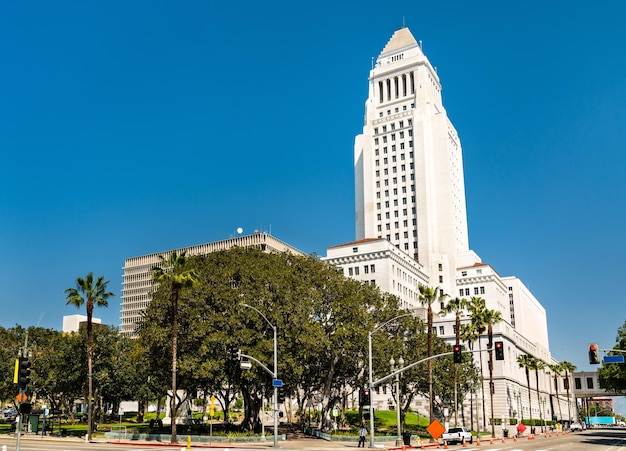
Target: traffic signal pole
[(18, 428)]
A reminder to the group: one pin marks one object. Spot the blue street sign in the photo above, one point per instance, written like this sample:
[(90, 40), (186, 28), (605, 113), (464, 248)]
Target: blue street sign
[(613, 359), (277, 383)]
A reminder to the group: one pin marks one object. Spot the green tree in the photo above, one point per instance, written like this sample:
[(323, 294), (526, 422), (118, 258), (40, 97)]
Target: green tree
[(613, 377), (91, 293), (428, 296), (173, 274)]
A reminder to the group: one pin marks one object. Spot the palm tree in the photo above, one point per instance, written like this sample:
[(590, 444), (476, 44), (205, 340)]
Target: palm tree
[(470, 335), (526, 361), (478, 309), (91, 294), (557, 369), (568, 367), (536, 366), (173, 272), (428, 296), (456, 306), (491, 317)]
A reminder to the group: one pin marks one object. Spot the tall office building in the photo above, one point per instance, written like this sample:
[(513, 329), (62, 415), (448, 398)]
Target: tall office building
[(408, 163), (138, 285), (410, 194)]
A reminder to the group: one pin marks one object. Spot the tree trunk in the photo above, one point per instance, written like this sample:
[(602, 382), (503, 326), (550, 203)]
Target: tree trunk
[(174, 438), (89, 368)]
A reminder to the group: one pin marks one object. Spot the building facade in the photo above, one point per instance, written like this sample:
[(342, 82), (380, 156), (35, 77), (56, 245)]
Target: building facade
[(408, 163), (411, 223), (137, 279)]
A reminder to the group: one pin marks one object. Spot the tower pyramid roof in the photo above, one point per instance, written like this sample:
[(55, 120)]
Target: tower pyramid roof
[(402, 38)]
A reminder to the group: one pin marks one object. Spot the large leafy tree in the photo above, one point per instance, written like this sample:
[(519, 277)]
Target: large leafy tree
[(428, 296), (613, 377), (173, 274), (91, 293), (322, 320)]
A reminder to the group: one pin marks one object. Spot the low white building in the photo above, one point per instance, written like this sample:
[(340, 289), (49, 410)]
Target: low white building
[(72, 323)]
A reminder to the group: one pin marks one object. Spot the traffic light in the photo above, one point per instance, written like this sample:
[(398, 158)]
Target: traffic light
[(499, 350), (234, 354), (23, 375), (458, 357), (364, 397), (594, 356), (281, 394)]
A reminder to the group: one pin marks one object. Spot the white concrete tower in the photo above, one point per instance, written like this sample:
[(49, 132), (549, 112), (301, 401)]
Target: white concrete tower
[(408, 165)]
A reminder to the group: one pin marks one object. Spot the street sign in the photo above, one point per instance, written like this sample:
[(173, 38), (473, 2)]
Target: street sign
[(277, 383), (613, 359)]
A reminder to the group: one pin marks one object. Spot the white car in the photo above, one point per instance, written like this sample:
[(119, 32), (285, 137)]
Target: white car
[(457, 435), (576, 427)]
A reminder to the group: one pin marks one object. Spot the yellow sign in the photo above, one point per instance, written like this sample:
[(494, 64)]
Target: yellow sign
[(17, 371)]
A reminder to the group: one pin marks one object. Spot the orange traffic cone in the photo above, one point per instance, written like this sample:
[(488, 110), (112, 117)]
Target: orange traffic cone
[(464, 443), (491, 441), (478, 440), (445, 444)]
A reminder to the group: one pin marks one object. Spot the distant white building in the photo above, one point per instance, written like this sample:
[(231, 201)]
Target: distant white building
[(72, 323)]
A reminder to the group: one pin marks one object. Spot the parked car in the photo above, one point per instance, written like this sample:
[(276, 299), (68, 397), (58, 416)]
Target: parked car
[(576, 427), (457, 435)]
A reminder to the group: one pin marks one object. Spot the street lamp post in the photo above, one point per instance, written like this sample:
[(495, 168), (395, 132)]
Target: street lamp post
[(371, 380), (392, 363), (275, 375)]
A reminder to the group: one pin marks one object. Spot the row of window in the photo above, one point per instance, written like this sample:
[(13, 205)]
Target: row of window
[(466, 291), (391, 136), (367, 269)]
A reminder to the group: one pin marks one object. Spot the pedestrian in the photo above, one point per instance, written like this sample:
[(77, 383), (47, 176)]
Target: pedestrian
[(362, 435)]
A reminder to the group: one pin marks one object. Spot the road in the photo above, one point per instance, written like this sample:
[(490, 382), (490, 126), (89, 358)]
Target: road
[(600, 439)]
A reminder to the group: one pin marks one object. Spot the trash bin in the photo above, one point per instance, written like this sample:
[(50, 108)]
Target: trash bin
[(505, 433), (406, 438)]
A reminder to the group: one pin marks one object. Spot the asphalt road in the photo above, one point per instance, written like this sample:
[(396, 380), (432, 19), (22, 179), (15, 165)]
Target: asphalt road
[(600, 439)]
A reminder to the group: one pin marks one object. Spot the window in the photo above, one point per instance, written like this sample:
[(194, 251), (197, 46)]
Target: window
[(434, 330), (372, 269), (467, 292), (440, 267), (475, 290), (366, 269), (440, 279), (482, 290), (461, 292), (350, 271), (441, 330), (590, 383), (356, 270)]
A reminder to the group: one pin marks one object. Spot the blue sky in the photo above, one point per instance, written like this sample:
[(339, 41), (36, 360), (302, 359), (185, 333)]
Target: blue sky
[(134, 127)]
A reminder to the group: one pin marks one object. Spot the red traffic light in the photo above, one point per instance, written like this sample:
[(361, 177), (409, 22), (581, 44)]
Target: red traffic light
[(592, 347)]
